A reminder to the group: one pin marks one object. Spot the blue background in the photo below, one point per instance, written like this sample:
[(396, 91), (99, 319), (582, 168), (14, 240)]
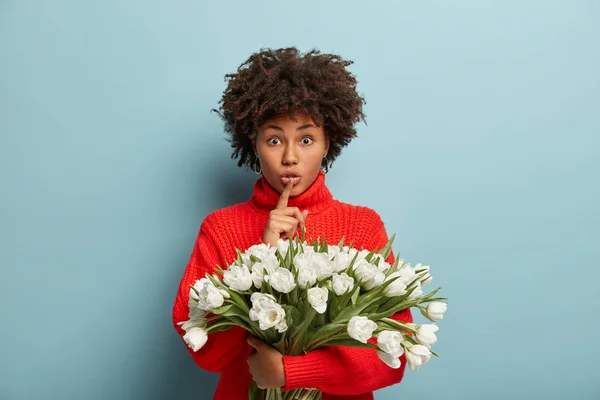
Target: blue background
[(482, 153)]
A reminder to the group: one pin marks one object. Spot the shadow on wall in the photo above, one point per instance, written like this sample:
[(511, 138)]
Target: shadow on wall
[(218, 182)]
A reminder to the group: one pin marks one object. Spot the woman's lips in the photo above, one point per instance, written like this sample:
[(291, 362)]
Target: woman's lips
[(286, 179)]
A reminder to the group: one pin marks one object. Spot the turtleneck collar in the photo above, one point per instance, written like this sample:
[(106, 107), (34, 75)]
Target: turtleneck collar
[(314, 199)]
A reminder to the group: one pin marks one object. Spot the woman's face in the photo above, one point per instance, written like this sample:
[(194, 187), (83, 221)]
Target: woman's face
[(292, 150)]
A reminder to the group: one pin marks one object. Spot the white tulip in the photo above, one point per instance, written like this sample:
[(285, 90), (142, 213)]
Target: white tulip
[(323, 265), (307, 276), (426, 334), (417, 355), (381, 262), (425, 279), (341, 262), (246, 260), (259, 269), (267, 312), (390, 342), (261, 300), (383, 266), (195, 338), (396, 288), (271, 262), (361, 255), (302, 260), (307, 249), (192, 300), (238, 278), (281, 326), (361, 328), (258, 274), (283, 246), (333, 251), (368, 275), (196, 319), (260, 251), (389, 359), (436, 310), (407, 274), (418, 292), (195, 314), (209, 296), (342, 283), (281, 280), (269, 317), (317, 297)]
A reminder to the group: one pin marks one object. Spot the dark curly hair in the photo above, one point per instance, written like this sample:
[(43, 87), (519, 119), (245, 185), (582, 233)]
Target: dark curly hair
[(285, 81)]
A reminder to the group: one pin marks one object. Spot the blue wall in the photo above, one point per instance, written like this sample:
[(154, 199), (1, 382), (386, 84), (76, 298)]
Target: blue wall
[(482, 153)]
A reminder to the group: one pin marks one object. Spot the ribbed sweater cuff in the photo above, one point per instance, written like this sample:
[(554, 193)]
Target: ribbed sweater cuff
[(304, 371)]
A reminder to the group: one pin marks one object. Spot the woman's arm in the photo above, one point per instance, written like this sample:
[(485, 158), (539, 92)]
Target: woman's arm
[(347, 370), (223, 346)]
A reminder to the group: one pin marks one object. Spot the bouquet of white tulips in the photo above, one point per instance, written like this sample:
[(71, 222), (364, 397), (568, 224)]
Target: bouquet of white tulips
[(298, 297)]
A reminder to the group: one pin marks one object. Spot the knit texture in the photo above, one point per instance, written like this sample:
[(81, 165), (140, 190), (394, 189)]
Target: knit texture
[(347, 373)]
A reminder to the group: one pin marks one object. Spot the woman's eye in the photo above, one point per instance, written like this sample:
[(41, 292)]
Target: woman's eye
[(307, 140), (273, 141)]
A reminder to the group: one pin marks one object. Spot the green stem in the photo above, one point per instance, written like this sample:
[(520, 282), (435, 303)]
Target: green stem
[(400, 325)]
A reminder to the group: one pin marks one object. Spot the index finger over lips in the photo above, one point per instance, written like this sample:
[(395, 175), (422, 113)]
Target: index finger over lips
[(285, 195)]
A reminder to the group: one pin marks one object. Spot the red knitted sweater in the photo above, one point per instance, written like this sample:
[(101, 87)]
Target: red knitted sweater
[(339, 372)]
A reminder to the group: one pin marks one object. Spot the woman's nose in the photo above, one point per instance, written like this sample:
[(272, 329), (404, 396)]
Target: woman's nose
[(290, 157)]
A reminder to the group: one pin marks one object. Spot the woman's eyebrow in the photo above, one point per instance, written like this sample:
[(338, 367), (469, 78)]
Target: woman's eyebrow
[(276, 127), (306, 126)]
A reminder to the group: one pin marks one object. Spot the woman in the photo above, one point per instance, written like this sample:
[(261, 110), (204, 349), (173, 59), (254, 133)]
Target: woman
[(288, 115)]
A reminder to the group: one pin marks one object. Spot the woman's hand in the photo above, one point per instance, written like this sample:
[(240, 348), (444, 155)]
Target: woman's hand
[(283, 221), (266, 365)]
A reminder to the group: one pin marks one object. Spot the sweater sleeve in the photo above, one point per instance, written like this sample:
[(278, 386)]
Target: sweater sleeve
[(347, 370), (221, 347)]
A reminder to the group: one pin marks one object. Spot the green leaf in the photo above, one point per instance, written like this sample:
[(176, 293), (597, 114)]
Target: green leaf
[(355, 294), (390, 302), (220, 328), (294, 316), (215, 326), (352, 311), (221, 310), (215, 281), (289, 257), (432, 353), (333, 308), (239, 301), (352, 263), (399, 325), (239, 259), (328, 331), (387, 249), (369, 256), (424, 313)]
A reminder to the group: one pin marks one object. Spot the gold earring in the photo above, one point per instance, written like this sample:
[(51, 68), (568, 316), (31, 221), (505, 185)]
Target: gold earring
[(259, 170), (326, 168)]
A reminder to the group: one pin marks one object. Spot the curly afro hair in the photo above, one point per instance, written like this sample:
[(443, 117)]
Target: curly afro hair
[(285, 81)]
